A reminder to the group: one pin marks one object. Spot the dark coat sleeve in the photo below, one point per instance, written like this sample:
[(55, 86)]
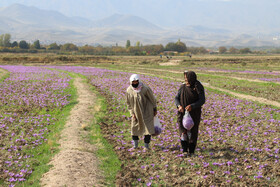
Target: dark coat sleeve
[(201, 96), (178, 97)]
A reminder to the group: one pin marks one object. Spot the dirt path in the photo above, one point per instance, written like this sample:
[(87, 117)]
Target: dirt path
[(171, 63), (75, 165), (248, 97), (239, 95)]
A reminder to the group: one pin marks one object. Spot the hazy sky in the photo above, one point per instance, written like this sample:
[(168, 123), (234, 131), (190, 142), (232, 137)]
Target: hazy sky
[(238, 13)]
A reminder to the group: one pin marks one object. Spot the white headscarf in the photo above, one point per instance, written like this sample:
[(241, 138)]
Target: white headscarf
[(136, 77)]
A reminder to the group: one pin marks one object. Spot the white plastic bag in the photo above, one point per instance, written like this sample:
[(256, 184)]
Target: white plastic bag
[(187, 121), (157, 126)]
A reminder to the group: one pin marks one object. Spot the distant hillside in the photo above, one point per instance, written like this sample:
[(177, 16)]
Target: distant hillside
[(31, 23), (32, 16), (126, 21), (242, 15)]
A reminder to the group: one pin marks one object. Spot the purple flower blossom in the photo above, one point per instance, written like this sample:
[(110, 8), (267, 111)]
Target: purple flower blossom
[(149, 184), (229, 163)]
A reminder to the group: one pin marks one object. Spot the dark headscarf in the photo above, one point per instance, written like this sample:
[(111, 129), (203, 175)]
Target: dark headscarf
[(191, 76)]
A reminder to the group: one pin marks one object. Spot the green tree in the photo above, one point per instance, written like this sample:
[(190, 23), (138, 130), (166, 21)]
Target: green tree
[(127, 44), (69, 47), (37, 45), (5, 40), (1, 40), (233, 50), (222, 50), (87, 49), (118, 50), (180, 46), (245, 50), (134, 50), (153, 49), (23, 44), (14, 44), (53, 46), (171, 46), (138, 44)]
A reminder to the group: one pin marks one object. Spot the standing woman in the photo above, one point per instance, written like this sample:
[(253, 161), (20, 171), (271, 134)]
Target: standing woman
[(190, 97), (142, 106)]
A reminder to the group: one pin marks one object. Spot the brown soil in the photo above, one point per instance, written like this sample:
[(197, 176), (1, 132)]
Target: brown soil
[(76, 164), (248, 97), (170, 63)]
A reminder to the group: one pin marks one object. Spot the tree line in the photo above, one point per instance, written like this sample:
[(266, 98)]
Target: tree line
[(172, 48), (6, 44)]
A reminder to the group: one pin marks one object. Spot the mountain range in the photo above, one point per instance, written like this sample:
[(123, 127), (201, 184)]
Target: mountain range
[(31, 23)]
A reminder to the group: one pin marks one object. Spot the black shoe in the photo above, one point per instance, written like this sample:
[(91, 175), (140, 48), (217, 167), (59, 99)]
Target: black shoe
[(192, 155)]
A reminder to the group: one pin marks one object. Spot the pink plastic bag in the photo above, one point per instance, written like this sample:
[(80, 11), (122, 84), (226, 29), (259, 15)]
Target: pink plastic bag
[(187, 121)]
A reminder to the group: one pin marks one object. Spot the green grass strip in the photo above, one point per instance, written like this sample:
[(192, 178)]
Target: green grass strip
[(4, 74), (44, 153), (109, 163)]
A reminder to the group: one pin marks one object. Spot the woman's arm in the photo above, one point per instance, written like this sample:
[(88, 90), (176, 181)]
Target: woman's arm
[(129, 106), (201, 96), (151, 97), (177, 98)]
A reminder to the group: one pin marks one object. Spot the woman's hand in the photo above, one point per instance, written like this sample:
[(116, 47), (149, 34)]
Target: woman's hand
[(133, 117), (180, 109), (189, 108)]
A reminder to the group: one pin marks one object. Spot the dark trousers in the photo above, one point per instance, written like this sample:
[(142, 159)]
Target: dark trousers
[(147, 138), (186, 145)]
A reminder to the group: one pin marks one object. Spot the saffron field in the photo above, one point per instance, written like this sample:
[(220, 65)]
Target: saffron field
[(256, 83), (28, 99), (238, 139)]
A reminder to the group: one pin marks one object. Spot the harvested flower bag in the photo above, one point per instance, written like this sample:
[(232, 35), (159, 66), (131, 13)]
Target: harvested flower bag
[(157, 126), (187, 121)]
